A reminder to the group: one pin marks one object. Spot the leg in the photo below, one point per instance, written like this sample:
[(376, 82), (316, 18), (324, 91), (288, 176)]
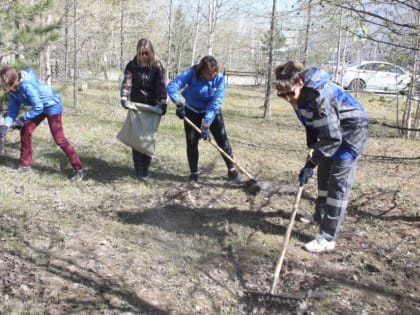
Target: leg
[(218, 131), (137, 159), (323, 172), (192, 138), (56, 128), (26, 140), (341, 181), (146, 160)]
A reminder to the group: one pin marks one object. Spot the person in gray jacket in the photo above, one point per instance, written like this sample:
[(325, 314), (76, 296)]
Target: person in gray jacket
[(336, 126)]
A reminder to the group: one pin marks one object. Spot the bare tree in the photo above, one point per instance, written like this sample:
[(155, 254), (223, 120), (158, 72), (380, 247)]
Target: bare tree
[(75, 57), (169, 47), (196, 29), (308, 24), (267, 100)]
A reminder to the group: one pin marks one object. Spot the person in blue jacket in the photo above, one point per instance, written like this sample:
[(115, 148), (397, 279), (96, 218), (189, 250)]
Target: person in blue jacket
[(336, 126), (25, 89), (203, 89)]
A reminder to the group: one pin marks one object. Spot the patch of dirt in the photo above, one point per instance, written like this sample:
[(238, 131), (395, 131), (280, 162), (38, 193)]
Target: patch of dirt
[(112, 245)]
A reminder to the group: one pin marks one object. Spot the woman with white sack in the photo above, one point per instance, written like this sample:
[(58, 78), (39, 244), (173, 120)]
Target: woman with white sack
[(143, 92)]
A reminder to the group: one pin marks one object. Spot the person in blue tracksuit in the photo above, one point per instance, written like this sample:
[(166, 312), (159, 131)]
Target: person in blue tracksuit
[(336, 126), (25, 89), (203, 89)]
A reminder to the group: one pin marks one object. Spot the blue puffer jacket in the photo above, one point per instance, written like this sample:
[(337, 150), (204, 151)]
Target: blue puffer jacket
[(31, 92), (335, 122), (201, 96)]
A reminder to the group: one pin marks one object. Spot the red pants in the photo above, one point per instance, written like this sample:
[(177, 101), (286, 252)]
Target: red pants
[(56, 128)]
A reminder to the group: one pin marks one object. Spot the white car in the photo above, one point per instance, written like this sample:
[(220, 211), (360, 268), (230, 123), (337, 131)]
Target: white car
[(375, 76)]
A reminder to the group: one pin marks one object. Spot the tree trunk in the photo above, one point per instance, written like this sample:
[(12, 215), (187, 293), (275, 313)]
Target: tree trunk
[(212, 18), (267, 101), (196, 29), (308, 23), (75, 58), (121, 36), (339, 52), (169, 49), (66, 39), (47, 59)]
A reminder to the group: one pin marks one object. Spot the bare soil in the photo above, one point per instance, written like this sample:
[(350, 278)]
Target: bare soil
[(113, 245)]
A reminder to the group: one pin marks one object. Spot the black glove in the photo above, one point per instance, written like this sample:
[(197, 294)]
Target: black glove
[(311, 139), (306, 172), (180, 110), (3, 131), (124, 103), (163, 107), (19, 123), (205, 132)]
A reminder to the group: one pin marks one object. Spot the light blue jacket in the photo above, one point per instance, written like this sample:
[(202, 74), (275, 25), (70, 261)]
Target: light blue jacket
[(34, 93), (201, 96)]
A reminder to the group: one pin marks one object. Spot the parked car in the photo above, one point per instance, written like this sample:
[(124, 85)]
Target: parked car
[(330, 66), (375, 76)]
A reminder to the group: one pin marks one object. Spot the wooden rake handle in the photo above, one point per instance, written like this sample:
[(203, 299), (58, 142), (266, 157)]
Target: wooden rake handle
[(286, 240), (220, 149)]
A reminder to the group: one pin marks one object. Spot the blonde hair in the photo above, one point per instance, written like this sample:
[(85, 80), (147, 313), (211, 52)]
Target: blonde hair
[(145, 43), (287, 75)]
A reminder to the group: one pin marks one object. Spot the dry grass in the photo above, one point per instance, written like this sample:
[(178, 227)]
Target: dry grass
[(112, 245)]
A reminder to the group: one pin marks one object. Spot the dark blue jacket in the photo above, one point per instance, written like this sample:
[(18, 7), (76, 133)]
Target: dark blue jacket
[(336, 123)]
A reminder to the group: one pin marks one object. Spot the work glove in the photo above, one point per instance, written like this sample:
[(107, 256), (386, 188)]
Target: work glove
[(163, 107), (306, 172), (3, 131), (180, 110), (19, 123), (205, 132), (311, 140), (124, 103)]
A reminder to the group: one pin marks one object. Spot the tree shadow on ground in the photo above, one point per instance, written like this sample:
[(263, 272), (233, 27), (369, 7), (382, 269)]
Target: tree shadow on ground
[(68, 270), (394, 160), (370, 198)]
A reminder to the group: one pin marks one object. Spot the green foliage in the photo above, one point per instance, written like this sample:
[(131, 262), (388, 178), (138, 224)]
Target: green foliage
[(278, 39), (27, 33)]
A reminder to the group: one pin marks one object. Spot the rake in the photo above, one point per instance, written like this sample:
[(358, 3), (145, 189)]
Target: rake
[(271, 295), (250, 186)]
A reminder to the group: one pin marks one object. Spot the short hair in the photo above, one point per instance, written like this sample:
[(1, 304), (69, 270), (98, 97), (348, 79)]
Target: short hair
[(207, 62), (288, 74)]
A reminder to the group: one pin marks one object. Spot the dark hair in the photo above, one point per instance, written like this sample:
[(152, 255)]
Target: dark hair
[(207, 62), (288, 74), (9, 75)]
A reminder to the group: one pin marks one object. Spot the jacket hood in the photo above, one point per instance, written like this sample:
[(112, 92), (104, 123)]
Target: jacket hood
[(28, 74), (316, 77)]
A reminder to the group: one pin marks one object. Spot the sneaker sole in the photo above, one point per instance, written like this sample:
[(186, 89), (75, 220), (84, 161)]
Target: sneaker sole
[(326, 249)]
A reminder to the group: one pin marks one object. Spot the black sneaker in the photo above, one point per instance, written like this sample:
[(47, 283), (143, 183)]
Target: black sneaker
[(234, 176), (78, 176), (193, 177)]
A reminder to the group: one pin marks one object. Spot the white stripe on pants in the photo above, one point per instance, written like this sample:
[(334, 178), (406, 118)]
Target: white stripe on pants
[(336, 177)]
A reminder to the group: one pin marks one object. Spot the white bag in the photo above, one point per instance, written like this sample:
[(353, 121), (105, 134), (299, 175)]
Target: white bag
[(140, 128)]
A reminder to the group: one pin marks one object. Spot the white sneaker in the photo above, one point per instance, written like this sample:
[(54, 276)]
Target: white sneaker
[(307, 219), (319, 244)]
